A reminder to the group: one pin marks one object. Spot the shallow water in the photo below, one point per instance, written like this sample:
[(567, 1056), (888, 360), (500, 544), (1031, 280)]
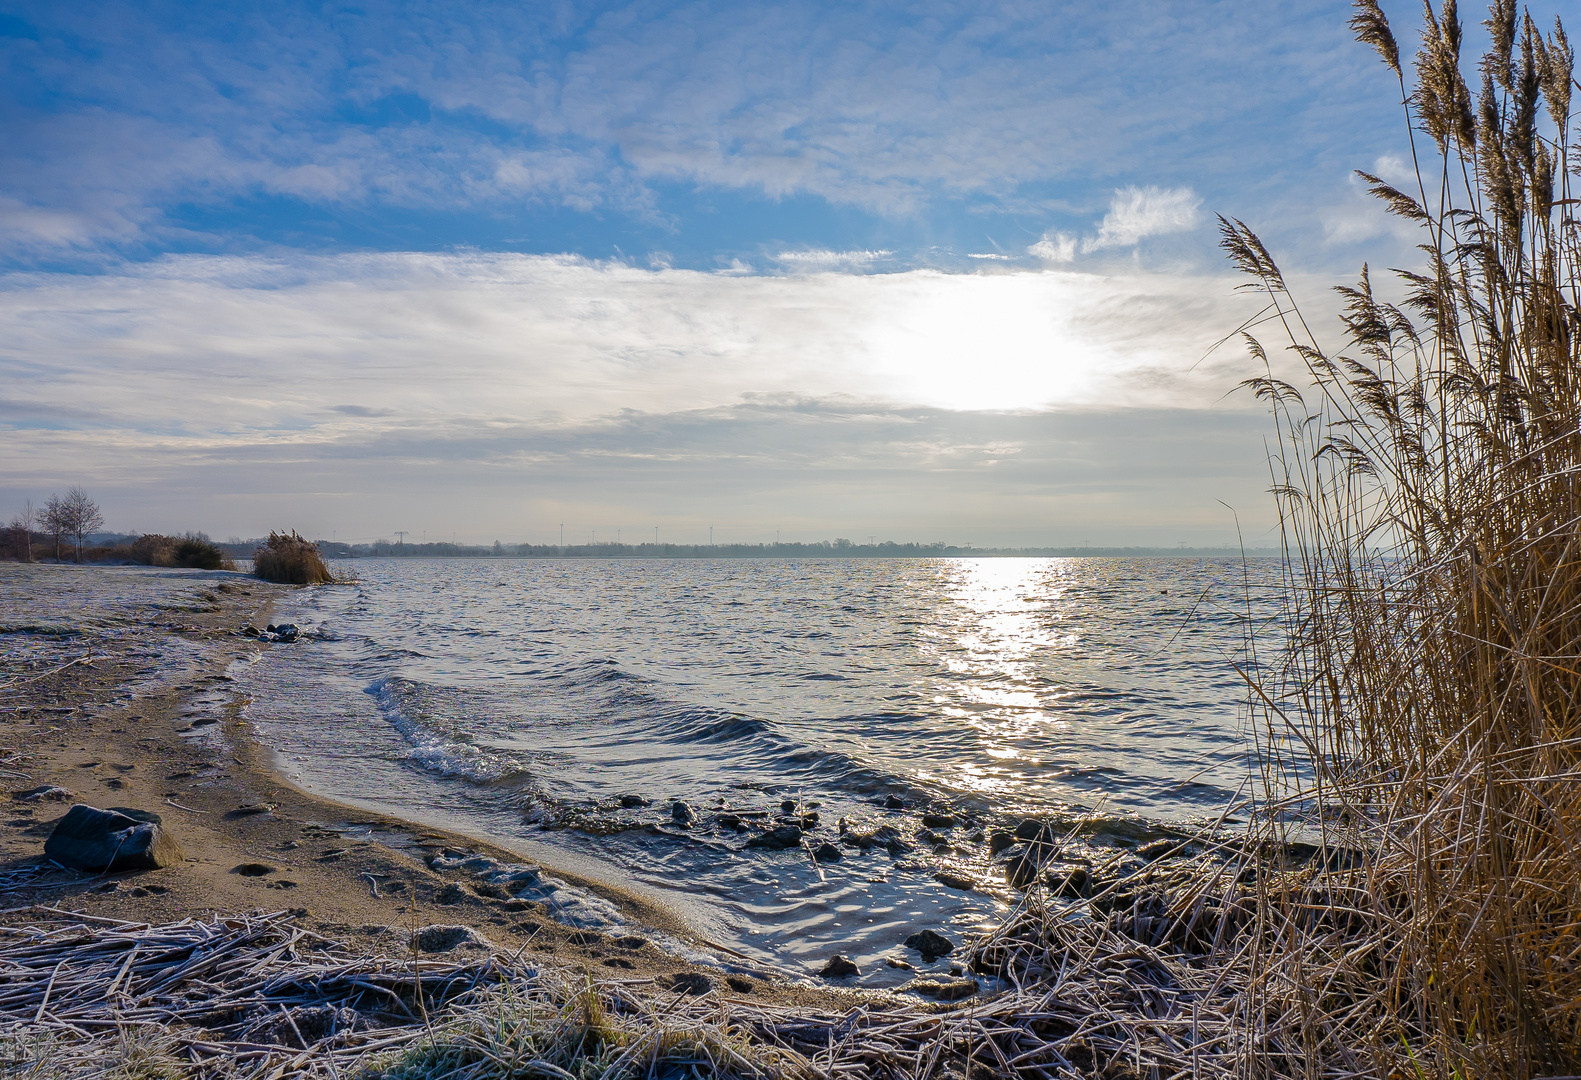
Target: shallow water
[(521, 699)]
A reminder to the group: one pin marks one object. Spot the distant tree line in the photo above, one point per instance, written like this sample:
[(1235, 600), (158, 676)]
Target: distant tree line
[(75, 516), (839, 548)]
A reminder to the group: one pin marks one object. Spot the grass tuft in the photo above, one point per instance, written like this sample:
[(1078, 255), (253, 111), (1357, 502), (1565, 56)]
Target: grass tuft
[(290, 559)]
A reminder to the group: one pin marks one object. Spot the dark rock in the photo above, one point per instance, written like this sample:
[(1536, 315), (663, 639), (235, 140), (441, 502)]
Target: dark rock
[(1038, 831), (44, 793), (786, 836), (788, 806), (839, 967), (443, 938), (250, 631), (894, 802), (681, 814), (1072, 883), (976, 837), (928, 836), (630, 801), (91, 839), (252, 869), (826, 852), (1022, 868), (930, 943), (897, 963), (1157, 849), (809, 820), (729, 821), (944, 990), (138, 815), (999, 840), (691, 982), (954, 881), (939, 821)]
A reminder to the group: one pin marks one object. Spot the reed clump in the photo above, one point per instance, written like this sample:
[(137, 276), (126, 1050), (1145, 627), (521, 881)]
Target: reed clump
[(290, 559), (1423, 724)]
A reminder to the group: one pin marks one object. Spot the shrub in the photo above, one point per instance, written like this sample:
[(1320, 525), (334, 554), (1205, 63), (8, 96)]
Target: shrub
[(290, 559), (200, 553)]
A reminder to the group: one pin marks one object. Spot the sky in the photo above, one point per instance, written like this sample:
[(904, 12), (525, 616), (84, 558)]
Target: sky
[(919, 271)]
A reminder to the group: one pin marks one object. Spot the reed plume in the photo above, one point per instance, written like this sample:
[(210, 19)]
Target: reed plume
[(1424, 719)]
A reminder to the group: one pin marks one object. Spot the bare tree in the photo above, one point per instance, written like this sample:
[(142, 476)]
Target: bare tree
[(23, 522), (53, 519), (82, 516)]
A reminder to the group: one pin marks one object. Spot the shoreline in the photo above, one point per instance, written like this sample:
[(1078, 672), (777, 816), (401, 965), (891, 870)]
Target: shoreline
[(358, 875)]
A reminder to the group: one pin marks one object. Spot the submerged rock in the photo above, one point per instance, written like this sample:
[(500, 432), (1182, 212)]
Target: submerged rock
[(999, 840), (631, 801), (786, 836), (91, 839), (894, 802), (826, 852), (839, 967), (954, 880), (930, 943), (939, 821)]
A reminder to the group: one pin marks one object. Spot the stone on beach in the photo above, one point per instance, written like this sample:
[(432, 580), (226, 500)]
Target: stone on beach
[(954, 881), (442, 937), (91, 839), (930, 943), (681, 814), (826, 852), (938, 821), (44, 793), (839, 967)]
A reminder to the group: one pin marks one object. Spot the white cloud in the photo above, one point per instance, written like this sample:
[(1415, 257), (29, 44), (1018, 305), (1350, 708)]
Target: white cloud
[(1136, 213), (1055, 248), (830, 260)]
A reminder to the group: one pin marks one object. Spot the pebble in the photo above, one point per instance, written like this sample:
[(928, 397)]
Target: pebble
[(938, 821), (826, 852), (999, 840), (788, 806), (894, 802), (786, 836), (901, 964), (839, 967), (680, 813), (630, 801), (930, 943)]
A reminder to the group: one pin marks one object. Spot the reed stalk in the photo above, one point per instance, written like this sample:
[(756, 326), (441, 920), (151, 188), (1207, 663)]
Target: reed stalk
[(1424, 720)]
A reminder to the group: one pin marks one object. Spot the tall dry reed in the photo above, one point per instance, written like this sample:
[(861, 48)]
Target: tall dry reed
[(290, 559), (1425, 719)]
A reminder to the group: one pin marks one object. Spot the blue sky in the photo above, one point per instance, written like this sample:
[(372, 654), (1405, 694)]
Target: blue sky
[(981, 211)]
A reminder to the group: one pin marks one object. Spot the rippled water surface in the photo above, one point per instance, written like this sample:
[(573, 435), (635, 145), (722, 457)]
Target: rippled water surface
[(523, 699)]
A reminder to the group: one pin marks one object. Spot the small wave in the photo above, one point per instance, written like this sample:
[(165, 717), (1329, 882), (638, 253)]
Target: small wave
[(437, 745)]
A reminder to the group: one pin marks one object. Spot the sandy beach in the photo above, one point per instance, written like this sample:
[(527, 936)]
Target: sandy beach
[(83, 713)]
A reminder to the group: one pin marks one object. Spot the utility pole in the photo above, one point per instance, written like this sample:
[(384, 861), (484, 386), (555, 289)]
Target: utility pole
[(710, 536), (655, 536), (562, 534), (400, 537)]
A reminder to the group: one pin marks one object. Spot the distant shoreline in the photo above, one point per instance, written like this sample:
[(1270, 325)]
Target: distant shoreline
[(334, 550)]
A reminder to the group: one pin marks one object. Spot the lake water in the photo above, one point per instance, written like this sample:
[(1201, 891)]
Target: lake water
[(521, 700)]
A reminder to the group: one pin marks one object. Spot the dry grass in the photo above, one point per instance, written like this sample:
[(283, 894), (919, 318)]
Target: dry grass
[(290, 559), (1425, 720)]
